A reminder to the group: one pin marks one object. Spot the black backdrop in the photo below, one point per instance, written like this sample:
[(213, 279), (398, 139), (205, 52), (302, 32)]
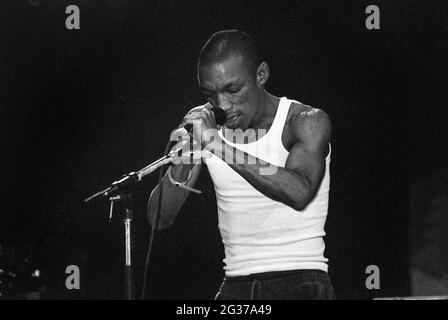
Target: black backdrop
[(81, 107)]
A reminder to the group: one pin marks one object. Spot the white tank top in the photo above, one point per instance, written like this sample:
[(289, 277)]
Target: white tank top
[(260, 234)]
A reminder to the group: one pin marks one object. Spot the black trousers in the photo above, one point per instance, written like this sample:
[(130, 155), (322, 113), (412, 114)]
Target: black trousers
[(279, 285)]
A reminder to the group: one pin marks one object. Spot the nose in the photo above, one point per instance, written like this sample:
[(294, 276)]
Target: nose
[(224, 103)]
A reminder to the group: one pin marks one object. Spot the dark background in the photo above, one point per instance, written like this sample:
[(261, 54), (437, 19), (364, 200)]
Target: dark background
[(81, 107)]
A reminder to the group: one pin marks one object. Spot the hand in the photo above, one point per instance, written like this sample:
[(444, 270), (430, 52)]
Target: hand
[(204, 124), (190, 152)]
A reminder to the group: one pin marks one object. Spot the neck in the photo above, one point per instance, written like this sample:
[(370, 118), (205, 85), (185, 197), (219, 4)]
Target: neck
[(266, 111)]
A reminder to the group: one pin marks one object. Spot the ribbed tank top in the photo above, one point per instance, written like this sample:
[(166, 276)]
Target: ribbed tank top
[(260, 234)]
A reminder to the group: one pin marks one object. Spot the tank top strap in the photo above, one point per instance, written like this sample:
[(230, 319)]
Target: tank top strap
[(278, 124)]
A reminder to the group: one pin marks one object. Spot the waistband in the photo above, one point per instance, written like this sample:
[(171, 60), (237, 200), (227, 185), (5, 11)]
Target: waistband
[(274, 274)]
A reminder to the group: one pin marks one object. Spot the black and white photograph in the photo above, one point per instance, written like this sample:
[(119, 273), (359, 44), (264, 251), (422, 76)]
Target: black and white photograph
[(223, 150)]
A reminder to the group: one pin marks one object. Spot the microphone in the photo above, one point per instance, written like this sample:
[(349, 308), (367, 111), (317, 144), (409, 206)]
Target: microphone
[(220, 118), (133, 177)]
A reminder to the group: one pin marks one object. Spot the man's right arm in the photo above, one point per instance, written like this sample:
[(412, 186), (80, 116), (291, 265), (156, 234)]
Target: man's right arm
[(173, 197)]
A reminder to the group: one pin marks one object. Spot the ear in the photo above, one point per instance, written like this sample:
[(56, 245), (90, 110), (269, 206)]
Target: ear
[(262, 74)]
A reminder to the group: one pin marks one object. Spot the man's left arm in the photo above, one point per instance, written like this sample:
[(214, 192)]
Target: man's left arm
[(297, 183)]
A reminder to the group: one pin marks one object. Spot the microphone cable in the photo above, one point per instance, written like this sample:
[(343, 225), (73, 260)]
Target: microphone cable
[(220, 117), (156, 224)]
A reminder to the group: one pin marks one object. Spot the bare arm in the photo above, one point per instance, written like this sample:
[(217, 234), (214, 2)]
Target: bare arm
[(172, 197), (297, 183)]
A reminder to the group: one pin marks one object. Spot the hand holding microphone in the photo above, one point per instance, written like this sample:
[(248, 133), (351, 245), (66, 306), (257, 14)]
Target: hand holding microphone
[(200, 117), (196, 130)]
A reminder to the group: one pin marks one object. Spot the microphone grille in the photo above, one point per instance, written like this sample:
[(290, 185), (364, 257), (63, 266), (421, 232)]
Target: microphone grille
[(220, 116)]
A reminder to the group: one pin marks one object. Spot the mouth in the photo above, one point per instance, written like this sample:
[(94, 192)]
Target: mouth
[(232, 119)]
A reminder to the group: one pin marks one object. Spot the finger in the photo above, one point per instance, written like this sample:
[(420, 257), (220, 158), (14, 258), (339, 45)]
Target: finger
[(187, 119), (194, 115), (196, 112), (212, 114), (210, 118), (176, 134), (202, 117), (176, 161), (207, 113), (197, 109)]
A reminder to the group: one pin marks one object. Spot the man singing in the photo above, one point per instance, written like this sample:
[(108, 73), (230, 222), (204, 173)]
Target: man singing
[(272, 191)]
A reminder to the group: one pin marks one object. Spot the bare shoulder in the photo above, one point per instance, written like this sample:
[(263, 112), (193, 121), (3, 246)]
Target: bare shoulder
[(309, 125)]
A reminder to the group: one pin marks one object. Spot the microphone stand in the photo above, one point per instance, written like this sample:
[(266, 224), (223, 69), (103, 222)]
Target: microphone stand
[(131, 178), (121, 188), (126, 199), (118, 192)]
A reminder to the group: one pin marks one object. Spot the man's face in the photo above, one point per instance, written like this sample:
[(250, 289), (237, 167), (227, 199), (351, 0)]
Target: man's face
[(231, 86)]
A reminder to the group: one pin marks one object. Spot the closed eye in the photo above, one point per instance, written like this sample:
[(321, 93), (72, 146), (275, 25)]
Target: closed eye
[(233, 90)]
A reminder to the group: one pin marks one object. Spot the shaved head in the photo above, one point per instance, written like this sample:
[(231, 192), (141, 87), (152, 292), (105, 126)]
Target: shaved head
[(223, 44)]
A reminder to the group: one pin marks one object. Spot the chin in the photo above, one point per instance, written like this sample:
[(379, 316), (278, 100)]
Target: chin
[(234, 124)]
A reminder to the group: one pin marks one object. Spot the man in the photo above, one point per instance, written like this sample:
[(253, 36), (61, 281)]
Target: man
[(272, 192)]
